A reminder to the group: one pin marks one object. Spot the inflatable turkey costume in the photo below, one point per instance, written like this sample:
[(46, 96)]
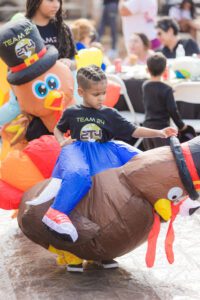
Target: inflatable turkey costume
[(117, 214), (43, 87)]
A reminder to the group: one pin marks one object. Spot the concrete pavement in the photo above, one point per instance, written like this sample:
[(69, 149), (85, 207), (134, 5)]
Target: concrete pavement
[(29, 272)]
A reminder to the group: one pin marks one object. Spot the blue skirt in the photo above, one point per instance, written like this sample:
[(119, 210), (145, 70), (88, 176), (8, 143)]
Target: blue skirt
[(79, 161)]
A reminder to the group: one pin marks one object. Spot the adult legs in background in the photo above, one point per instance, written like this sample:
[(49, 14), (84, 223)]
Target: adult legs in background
[(190, 26), (112, 18), (103, 22), (109, 18)]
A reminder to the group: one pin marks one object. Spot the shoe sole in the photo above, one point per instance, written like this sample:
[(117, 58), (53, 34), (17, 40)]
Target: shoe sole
[(111, 266), (76, 270)]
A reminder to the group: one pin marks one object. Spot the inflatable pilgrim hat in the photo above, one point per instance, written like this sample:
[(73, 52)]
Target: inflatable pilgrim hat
[(124, 207), (43, 86)]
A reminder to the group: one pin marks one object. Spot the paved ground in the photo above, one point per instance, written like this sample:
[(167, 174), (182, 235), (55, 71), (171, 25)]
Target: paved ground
[(29, 272)]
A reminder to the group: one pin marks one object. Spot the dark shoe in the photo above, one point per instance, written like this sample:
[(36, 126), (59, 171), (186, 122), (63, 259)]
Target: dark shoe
[(75, 268), (109, 264)]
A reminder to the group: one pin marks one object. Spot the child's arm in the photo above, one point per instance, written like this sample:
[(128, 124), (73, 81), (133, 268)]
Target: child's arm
[(173, 110), (151, 133), (60, 137)]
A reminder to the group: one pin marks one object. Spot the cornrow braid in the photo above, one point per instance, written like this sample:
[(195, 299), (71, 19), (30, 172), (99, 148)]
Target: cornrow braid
[(66, 46), (88, 74)]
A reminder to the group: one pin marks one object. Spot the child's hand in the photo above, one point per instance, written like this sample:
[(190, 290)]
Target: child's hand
[(168, 131), (67, 141)]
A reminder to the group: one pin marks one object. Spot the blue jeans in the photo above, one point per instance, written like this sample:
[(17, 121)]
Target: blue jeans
[(109, 18)]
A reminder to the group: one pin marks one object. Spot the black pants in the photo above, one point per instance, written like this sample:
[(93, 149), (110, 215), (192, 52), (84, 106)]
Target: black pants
[(155, 142)]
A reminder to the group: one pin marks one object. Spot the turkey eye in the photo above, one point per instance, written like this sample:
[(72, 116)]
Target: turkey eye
[(174, 193), (40, 89), (52, 82)]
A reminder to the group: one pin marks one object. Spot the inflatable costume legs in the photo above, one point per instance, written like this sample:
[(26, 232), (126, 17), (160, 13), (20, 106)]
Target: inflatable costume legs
[(71, 180), (70, 183)]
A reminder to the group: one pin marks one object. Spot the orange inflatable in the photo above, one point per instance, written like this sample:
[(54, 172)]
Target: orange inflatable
[(44, 100), (112, 94), (4, 85), (21, 170), (26, 174), (43, 87)]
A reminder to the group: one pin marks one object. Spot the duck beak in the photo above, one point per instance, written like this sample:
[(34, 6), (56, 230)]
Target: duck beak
[(163, 208), (54, 100)]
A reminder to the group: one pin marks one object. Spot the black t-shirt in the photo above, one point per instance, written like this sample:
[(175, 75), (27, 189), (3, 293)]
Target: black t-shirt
[(49, 34), (89, 124), (189, 45), (159, 105), (36, 129)]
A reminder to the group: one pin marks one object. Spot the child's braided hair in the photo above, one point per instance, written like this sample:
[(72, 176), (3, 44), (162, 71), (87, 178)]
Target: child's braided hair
[(66, 47), (89, 74)]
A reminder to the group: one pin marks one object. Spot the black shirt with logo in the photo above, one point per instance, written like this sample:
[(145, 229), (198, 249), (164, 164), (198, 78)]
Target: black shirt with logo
[(89, 124), (49, 34)]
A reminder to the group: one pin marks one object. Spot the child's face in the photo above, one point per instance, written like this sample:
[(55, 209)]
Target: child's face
[(49, 8), (95, 95)]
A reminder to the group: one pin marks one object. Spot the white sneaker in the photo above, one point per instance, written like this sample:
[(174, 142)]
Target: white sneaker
[(75, 268), (109, 264)]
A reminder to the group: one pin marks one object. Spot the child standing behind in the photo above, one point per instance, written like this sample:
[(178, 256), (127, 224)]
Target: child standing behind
[(89, 150), (159, 103)]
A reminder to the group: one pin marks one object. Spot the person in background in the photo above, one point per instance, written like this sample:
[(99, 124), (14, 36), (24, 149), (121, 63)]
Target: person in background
[(139, 14), (139, 49), (159, 103), (47, 16), (84, 33), (184, 14), (85, 37), (109, 18), (168, 33)]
